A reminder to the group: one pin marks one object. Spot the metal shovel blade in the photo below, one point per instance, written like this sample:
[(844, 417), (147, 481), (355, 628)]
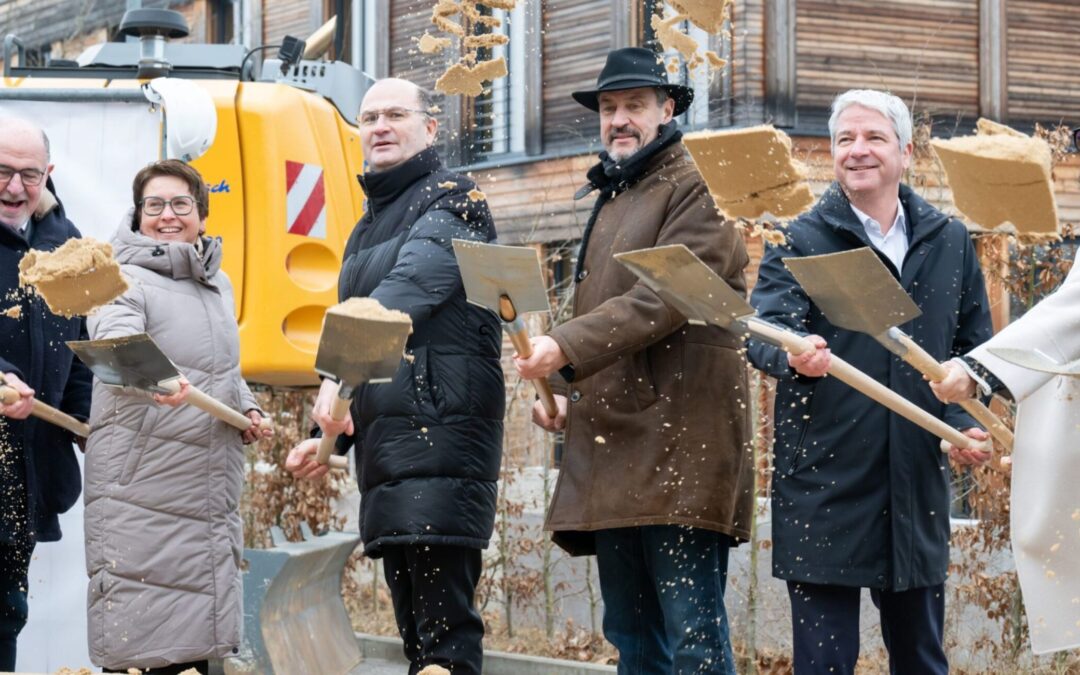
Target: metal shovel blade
[(358, 348), (683, 281), (854, 290), (1033, 359), (490, 271), (127, 361)]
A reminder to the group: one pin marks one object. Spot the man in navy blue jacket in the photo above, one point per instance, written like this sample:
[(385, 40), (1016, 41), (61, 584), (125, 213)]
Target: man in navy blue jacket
[(39, 473), (860, 496)]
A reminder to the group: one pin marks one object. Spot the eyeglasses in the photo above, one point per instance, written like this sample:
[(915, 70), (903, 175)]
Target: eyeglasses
[(155, 206), (370, 118), (28, 176)]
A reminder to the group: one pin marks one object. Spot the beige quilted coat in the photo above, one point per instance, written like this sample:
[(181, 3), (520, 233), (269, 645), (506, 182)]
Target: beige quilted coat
[(162, 484)]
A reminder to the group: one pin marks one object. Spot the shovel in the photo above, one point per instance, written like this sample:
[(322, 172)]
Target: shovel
[(136, 361), (681, 279), (45, 412), (361, 343), (508, 281), (856, 291)]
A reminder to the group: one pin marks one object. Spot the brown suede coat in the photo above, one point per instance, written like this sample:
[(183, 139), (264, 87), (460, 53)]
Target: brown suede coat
[(658, 423)]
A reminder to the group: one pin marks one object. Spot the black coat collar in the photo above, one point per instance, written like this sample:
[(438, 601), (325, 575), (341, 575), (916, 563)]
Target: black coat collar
[(923, 220), (383, 187)]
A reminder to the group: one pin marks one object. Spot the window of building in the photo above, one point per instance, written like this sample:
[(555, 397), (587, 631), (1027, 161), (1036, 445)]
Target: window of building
[(709, 92), (493, 119), (221, 21), (343, 46)]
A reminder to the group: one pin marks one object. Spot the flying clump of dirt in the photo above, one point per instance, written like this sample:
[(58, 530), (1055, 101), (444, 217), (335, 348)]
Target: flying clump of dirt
[(76, 278), (468, 75), (709, 15), (750, 172), (1000, 176), (461, 78)]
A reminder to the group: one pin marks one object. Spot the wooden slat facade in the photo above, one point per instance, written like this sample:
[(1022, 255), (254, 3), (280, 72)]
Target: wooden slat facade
[(748, 61), (43, 22), (409, 19), (285, 17), (576, 40), (924, 51), (1043, 73)]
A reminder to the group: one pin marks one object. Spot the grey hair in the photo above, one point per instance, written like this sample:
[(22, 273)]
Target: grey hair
[(424, 99), (888, 105)]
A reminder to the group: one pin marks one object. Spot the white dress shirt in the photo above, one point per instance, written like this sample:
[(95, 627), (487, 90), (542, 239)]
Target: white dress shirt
[(894, 243)]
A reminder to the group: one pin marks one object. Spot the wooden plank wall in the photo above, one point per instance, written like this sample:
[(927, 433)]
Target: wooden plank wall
[(409, 19), (285, 17), (924, 51), (1043, 73), (748, 54), (575, 43)]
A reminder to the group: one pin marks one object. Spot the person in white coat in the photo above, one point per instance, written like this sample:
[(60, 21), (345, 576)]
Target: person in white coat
[(1045, 512)]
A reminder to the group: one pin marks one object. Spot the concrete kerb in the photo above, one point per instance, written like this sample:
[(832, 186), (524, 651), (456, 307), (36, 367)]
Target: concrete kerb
[(495, 663)]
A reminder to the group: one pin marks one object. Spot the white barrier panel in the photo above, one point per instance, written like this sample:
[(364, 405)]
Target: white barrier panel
[(96, 147)]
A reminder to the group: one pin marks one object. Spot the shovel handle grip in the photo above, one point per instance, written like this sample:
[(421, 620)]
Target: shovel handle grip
[(339, 408), (860, 381), (48, 413), (523, 347), (926, 364), (214, 407)]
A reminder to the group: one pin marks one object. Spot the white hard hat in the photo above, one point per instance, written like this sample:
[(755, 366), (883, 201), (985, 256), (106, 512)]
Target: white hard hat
[(190, 116)]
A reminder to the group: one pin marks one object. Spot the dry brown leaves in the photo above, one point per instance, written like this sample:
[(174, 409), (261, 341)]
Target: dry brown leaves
[(271, 495)]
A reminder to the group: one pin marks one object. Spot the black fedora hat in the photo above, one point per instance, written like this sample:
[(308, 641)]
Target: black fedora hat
[(633, 68)]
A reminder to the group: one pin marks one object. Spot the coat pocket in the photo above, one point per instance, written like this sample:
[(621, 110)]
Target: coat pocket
[(421, 384), (644, 382), (139, 443)]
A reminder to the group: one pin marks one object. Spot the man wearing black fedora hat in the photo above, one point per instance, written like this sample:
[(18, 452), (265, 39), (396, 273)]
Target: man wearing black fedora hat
[(657, 476)]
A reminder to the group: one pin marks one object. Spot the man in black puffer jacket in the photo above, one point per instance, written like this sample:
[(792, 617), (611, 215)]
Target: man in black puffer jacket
[(39, 473), (429, 443)]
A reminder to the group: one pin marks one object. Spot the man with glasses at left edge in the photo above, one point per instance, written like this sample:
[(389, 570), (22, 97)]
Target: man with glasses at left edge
[(429, 443), (39, 473)]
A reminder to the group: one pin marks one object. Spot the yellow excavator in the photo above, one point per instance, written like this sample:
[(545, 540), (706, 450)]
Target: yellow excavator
[(277, 145), (280, 150)]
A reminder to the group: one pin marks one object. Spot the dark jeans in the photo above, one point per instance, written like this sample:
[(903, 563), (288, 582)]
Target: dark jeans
[(432, 588), (663, 590), (14, 563), (175, 669), (825, 628)]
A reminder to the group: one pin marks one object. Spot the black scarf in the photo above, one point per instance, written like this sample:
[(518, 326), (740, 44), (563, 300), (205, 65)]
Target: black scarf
[(612, 178), (383, 187)]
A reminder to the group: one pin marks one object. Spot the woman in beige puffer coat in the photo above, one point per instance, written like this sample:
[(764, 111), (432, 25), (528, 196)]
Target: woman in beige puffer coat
[(162, 485)]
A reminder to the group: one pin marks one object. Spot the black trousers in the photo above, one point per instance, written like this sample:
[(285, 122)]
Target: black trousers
[(432, 588), (825, 627), (14, 565)]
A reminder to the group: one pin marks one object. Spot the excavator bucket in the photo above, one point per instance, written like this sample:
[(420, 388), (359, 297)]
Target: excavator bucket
[(294, 618)]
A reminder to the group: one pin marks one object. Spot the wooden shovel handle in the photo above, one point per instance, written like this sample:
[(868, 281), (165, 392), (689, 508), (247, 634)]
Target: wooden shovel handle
[(214, 407), (929, 366), (522, 345), (855, 378), (48, 413), (339, 408)]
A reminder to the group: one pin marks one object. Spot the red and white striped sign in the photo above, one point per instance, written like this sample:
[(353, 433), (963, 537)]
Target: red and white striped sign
[(305, 200)]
